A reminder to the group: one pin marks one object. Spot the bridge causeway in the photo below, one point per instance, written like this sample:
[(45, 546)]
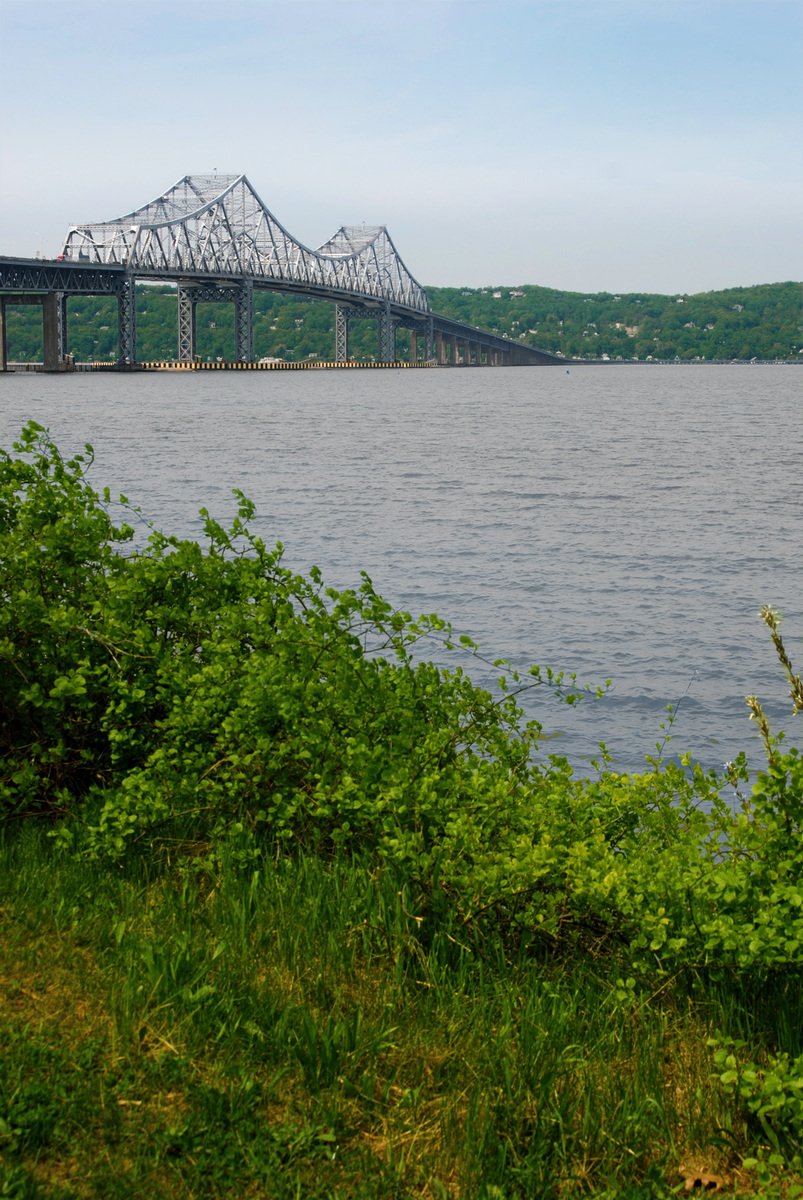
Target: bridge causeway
[(214, 238)]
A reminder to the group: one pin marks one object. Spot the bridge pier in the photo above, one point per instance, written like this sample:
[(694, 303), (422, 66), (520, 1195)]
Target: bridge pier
[(419, 341), (387, 325), (387, 336), (54, 328), (126, 322), (239, 293), (422, 339), (50, 329), (244, 320), (341, 333), (187, 325)]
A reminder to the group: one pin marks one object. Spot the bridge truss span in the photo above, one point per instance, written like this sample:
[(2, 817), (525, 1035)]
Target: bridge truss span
[(214, 238), (217, 227)]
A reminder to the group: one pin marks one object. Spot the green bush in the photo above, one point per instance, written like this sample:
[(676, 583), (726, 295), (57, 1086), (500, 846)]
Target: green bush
[(772, 1094), (196, 701), (196, 694)]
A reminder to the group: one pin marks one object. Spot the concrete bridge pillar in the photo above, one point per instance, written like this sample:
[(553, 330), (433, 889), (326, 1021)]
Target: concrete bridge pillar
[(54, 327), (63, 326), (52, 332)]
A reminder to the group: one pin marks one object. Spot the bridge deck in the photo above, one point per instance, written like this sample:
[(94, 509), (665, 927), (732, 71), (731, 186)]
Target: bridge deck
[(50, 281)]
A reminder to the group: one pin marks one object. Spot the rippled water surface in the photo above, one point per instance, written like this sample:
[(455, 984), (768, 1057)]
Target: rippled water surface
[(624, 522)]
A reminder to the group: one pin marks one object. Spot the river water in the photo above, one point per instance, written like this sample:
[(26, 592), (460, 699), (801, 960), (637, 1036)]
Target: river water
[(622, 522)]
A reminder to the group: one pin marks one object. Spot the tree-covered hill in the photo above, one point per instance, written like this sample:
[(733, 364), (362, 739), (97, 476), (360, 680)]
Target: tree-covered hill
[(762, 322)]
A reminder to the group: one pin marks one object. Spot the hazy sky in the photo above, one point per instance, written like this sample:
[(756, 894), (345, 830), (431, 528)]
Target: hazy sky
[(618, 145)]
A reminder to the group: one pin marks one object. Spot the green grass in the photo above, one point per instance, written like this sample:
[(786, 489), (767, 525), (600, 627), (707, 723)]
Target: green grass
[(301, 1031)]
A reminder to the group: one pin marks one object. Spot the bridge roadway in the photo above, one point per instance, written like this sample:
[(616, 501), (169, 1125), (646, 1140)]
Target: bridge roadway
[(50, 283)]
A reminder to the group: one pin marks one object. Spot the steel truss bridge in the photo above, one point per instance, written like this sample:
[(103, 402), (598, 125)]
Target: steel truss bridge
[(214, 238)]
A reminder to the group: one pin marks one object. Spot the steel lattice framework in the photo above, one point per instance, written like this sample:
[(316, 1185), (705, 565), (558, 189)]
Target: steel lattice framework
[(216, 226), (213, 237)]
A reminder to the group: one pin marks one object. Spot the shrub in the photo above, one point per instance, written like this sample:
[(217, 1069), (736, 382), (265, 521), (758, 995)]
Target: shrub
[(206, 700)]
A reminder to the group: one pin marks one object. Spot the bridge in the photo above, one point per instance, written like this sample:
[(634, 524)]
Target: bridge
[(215, 239)]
